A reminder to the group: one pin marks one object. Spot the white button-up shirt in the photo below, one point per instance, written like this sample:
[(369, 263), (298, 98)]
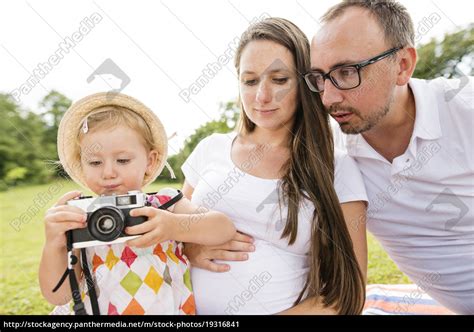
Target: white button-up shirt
[(421, 204)]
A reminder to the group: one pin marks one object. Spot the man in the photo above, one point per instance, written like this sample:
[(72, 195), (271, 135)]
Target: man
[(412, 140)]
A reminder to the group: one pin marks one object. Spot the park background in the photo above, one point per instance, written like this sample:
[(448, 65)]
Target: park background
[(157, 52)]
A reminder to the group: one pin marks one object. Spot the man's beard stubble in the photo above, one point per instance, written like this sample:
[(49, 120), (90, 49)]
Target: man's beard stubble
[(366, 123)]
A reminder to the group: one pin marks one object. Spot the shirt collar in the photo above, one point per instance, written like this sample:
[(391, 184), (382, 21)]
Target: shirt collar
[(427, 124)]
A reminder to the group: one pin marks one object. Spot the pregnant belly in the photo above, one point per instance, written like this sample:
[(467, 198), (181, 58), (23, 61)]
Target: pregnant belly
[(268, 282)]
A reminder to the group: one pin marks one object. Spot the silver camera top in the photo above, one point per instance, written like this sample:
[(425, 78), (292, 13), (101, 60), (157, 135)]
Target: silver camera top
[(133, 199)]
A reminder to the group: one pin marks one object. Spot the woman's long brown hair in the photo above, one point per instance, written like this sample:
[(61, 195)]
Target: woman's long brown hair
[(334, 273)]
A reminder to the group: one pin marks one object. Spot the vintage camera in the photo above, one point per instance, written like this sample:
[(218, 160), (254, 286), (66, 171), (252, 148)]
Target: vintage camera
[(107, 217)]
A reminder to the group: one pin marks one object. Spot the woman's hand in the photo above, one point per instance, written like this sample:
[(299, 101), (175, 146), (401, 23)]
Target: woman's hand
[(234, 250), (62, 218), (159, 227)]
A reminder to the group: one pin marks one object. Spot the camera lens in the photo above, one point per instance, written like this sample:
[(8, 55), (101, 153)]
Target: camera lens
[(106, 223)]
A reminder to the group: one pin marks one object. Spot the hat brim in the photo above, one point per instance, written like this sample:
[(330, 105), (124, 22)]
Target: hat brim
[(68, 131)]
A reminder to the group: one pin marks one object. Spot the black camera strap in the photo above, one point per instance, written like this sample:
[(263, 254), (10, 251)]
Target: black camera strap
[(172, 201), (90, 283), (79, 308)]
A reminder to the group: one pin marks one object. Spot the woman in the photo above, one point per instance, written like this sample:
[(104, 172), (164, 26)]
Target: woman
[(281, 182)]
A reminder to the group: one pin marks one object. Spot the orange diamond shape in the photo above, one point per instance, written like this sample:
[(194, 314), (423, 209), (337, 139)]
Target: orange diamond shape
[(158, 251), (96, 261), (189, 307), (133, 308)]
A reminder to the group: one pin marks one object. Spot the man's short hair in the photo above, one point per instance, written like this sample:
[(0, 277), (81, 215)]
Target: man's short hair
[(392, 16)]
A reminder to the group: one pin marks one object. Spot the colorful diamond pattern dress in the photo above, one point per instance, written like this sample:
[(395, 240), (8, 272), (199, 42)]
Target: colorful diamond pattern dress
[(142, 281)]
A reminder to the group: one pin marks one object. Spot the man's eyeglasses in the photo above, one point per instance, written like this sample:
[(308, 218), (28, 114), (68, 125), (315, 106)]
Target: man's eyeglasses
[(344, 77)]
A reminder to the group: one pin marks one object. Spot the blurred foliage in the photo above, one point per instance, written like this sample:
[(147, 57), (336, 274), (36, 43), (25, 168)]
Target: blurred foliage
[(448, 57), (28, 140)]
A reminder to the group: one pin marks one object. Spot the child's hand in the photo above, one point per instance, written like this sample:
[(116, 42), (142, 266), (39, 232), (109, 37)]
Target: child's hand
[(61, 218), (159, 227)]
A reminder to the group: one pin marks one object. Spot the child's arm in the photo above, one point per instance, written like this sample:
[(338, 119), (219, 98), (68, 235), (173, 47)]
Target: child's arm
[(187, 223), (59, 219), (202, 226)]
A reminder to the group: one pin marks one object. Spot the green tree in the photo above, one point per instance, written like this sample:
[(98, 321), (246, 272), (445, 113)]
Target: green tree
[(448, 56), (53, 107), (28, 140), (21, 145), (226, 123)]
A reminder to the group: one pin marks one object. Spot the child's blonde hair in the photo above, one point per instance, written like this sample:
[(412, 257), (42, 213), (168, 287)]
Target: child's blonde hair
[(108, 117)]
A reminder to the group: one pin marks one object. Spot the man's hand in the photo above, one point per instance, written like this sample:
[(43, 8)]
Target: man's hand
[(234, 250)]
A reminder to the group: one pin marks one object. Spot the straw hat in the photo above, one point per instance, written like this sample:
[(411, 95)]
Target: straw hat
[(73, 121)]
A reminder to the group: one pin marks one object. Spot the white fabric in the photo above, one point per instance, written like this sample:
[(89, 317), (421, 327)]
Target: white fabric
[(273, 276), (420, 206)]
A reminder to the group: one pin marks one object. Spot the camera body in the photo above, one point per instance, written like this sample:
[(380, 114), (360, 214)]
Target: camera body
[(107, 217)]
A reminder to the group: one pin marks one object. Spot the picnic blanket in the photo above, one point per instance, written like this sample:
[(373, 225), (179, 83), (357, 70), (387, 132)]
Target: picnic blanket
[(401, 299)]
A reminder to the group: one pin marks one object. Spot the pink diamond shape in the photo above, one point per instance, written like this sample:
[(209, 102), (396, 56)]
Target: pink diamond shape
[(128, 256), (163, 198), (112, 310)]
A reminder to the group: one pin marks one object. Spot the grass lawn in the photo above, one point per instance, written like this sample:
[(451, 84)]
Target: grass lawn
[(22, 237)]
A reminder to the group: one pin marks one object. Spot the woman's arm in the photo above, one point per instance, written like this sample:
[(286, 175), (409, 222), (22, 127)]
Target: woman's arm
[(355, 217)]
